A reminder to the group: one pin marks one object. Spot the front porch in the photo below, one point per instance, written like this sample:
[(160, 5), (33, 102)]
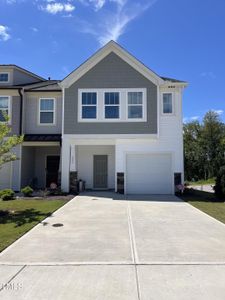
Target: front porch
[(40, 165), (90, 160)]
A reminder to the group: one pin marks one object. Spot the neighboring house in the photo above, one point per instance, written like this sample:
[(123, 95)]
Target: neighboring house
[(112, 122)]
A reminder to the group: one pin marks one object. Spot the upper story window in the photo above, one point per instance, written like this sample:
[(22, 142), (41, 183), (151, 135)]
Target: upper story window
[(112, 105), (135, 105), (89, 105), (167, 103), (4, 77), (47, 111), (4, 107)]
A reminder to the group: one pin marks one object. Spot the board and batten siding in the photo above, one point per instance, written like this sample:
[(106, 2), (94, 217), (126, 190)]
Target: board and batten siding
[(31, 114), (111, 72)]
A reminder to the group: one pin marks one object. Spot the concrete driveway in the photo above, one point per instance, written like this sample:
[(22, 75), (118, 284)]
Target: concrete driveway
[(116, 247)]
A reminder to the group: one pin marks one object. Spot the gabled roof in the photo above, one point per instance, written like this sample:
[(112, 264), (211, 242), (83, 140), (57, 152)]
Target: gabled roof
[(102, 53), (22, 70)]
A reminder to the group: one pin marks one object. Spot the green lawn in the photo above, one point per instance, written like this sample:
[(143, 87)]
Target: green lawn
[(206, 202), (19, 216), (210, 181)]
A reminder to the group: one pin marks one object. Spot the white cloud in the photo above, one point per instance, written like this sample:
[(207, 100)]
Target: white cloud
[(195, 118), (57, 7), (4, 34), (218, 111), (10, 1), (113, 23), (208, 74), (34, 29), (98, 4)]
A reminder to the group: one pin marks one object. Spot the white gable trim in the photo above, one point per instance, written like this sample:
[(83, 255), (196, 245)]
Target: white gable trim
[(102, 53)]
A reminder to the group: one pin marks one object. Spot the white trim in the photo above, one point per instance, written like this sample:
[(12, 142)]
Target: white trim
[(101, 54), (9, 108), (54, 111), (75, 137), (173, 104), (41, 144), (8, 73), (63, 109), (123, 105)]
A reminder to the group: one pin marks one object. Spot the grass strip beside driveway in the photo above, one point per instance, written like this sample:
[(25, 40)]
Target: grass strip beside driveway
[(19, 216), (207, 203)]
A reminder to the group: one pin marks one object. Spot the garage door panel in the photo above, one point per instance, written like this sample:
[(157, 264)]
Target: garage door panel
[(149, 174), (5, 176)]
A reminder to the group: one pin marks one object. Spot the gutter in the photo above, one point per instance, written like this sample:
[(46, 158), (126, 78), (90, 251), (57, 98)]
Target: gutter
[(21, 110)]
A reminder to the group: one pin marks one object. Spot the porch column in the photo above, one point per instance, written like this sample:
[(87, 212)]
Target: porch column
[(65, 182), (73, 170)]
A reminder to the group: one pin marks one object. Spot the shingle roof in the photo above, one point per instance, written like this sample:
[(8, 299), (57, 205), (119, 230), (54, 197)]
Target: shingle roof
[(42, 138), (172, 80), (45, 85), (23, 70)]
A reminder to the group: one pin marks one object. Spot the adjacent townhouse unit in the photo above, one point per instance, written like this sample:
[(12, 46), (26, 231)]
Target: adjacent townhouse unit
[(112, 122)]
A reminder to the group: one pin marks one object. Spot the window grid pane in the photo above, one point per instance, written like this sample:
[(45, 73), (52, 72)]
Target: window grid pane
[(46, 118), (89, 98), (167, 103), (89, 112), (4, 102), (135, 98), (3, 112), (112, 98), (112, 112), (4, 77), (47, 105)]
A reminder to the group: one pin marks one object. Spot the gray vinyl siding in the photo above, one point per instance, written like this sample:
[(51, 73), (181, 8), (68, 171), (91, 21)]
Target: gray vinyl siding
[(16, 169), (111, 72), (31, 115), (15, 120), (23, 78), (27, 167)]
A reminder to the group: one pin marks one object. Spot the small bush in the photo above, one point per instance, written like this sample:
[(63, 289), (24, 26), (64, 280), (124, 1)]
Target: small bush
[(220, 183), (7, 194), (27, 191)]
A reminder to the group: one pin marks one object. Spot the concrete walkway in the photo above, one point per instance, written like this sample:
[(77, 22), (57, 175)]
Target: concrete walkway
[(116, 247)]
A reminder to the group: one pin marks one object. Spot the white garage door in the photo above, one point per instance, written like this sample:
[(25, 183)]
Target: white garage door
[(5, 176), (149, 174)]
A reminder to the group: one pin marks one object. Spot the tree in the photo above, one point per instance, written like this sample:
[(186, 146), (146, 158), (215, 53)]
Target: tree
[(7, 142), (192, 152), (204, 147), (212, 143)]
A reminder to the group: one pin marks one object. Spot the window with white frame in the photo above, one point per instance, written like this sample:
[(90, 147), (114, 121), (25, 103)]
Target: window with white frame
[(112, 105), (167, 103), (4, 77), (47, 111), (89, 105), (4, 107), (135, 105)]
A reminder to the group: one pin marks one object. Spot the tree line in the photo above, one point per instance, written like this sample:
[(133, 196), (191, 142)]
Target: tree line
[(204, 147)]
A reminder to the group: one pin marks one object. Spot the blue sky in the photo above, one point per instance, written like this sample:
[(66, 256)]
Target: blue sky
[(183, 39)]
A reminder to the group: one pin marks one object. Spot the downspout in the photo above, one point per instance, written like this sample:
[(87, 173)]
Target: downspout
[(21, 111)]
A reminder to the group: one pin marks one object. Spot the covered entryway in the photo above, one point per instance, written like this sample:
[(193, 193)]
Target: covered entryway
[(149, 174)]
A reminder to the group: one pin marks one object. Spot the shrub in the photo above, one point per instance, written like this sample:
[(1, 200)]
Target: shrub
[(27, 191), (7, 194), (220, 183)]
